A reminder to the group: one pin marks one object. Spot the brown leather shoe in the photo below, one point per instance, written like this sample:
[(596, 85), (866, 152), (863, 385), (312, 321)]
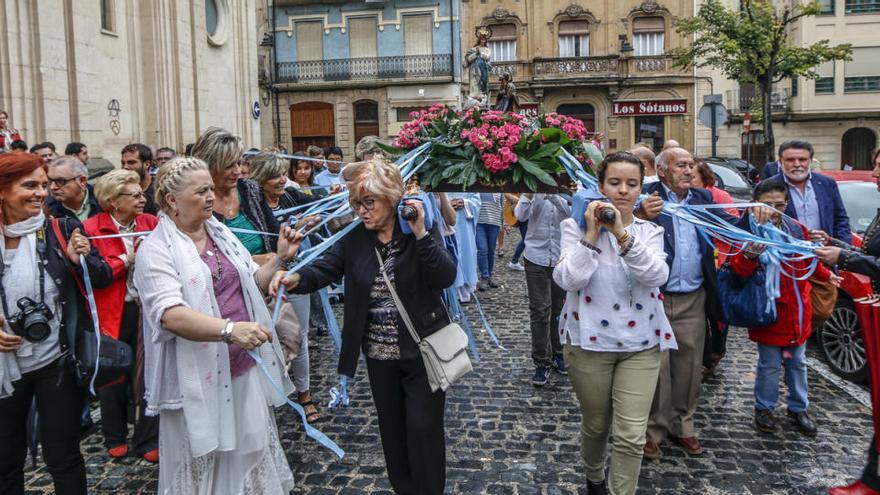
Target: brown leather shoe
[(690, 445), (652, 450)]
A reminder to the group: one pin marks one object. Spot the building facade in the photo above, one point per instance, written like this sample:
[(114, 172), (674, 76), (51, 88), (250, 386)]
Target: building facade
[(112, 72), (603, 62), (839, 113), (338, 71)]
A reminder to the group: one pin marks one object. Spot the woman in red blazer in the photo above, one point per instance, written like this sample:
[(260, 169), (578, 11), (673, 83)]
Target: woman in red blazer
[(120, 196)]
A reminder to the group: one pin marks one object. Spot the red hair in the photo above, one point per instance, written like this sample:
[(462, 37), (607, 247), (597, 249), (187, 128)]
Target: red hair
[(14, 166)]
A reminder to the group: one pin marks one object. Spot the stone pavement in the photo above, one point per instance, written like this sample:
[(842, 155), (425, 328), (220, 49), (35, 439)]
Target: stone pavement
[(506, 437)]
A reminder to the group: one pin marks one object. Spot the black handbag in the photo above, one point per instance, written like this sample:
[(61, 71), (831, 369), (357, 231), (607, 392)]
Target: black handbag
[(744, 300), (112, 358)]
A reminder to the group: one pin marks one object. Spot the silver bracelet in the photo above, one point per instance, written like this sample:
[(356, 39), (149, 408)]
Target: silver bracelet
[(226, 333)]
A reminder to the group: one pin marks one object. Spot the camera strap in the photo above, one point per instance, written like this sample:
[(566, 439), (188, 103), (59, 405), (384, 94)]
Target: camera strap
[(41, 261)]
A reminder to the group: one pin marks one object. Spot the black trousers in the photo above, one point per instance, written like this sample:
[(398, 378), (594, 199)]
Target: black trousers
[(870, 477), (411, 426), (118, 401), (59, 404), (545, 304)]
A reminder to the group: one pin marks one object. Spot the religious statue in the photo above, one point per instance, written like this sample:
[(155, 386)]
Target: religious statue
[(477, 62), (506, 101)]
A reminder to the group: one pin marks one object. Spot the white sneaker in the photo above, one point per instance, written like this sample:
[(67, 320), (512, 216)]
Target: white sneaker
[(516, 267)]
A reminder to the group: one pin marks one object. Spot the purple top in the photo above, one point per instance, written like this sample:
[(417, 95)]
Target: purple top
[(230, 300)]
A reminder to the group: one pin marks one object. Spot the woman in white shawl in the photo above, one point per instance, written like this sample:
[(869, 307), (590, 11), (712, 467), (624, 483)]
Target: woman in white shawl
[(203, 311)]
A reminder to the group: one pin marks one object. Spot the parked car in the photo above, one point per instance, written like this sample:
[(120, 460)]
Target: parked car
[(730, 180), (841, 338), (749, 171)]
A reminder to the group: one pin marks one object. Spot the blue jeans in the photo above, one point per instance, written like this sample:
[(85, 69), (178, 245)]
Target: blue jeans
[(487, 239), (770, 359), (523, 228)]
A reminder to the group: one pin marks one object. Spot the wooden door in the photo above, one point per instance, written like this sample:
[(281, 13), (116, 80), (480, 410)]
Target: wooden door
[(856, 148), (312, 123)]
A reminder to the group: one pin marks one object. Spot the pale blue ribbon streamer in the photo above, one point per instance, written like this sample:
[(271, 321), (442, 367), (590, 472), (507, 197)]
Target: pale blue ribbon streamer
[(332, 323), (93, 308)]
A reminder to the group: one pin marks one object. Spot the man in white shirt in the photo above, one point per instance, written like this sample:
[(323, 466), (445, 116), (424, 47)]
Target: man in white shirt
[(544, 212)]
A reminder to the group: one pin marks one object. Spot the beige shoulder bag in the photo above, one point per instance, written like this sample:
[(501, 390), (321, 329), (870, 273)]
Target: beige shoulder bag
[(444, 352)]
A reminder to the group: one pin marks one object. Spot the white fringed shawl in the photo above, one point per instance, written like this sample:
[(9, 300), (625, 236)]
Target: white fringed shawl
[(188, 375)]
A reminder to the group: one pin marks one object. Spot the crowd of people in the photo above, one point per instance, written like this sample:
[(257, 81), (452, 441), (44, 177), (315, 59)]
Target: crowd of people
[(186, 255)]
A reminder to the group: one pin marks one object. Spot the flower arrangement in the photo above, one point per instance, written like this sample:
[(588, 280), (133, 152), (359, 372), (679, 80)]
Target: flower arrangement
[(492, 148)]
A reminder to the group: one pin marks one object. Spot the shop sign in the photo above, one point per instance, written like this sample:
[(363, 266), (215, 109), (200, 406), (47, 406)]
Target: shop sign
[(528, 109), (649, 107)]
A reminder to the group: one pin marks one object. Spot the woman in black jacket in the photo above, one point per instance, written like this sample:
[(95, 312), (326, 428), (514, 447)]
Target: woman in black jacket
[(410, 415), (39, 277), (864, 260)]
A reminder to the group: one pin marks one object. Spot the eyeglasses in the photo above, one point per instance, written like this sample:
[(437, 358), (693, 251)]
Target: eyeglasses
[(137, 195), (368, 204), (61, 181)]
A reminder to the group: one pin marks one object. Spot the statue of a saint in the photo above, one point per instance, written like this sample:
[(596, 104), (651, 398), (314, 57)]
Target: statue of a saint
[(506, 101), (478, 62)]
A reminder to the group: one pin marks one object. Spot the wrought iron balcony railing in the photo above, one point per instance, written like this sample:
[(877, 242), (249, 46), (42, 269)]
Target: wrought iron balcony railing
[(742, 102), (403, 67), (577, 66)]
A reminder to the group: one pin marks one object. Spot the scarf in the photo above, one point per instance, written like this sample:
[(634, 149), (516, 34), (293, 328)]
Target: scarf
[(19, 280)]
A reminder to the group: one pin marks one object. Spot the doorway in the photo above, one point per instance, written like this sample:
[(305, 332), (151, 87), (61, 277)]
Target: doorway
[(312, 123), (856, 147), (366, 119)]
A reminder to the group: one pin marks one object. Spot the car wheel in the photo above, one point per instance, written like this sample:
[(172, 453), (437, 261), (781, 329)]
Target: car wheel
[(842, 341)]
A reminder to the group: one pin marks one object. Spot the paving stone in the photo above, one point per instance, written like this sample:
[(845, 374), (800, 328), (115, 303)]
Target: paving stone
[(505, 436)]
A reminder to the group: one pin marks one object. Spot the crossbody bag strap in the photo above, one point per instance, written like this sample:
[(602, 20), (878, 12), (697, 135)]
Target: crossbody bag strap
[(403, 314)]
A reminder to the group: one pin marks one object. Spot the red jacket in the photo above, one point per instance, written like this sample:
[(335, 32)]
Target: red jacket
[(111, 298), (786, 331), (14, 136)]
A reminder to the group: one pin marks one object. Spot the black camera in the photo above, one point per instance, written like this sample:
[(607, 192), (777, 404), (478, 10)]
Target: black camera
[(32, 320)]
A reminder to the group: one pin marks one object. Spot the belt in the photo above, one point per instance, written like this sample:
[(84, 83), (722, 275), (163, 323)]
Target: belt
[(671, 293)]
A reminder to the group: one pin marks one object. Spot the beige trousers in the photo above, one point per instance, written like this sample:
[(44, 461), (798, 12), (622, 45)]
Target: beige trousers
[(615, 391), (681, 371)]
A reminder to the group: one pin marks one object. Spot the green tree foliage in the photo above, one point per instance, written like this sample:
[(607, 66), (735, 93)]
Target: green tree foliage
[(752, 45)]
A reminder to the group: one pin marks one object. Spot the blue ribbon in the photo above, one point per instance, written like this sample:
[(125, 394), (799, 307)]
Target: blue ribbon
[(332, 323), (90, 297)]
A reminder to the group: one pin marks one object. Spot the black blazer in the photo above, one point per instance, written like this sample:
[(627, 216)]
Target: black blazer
[(707, 260), (867, 259), (423, 269)]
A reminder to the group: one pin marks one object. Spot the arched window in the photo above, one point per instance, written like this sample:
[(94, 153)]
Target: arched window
[(312, 123), (502, 44), (583, 111), (574, 39), (366, 119), (648, 36)]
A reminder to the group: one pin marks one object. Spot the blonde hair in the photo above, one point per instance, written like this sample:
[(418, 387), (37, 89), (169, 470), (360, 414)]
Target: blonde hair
[(109, 185), (172, 177), (266, 166), (218, 148), (378, 177)]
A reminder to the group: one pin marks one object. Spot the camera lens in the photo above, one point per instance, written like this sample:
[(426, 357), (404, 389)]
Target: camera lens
[(37, 331)]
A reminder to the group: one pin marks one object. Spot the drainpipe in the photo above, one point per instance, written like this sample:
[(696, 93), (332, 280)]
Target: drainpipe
[(277, 113)]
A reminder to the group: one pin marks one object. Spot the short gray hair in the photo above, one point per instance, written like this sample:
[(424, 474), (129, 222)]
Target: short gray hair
[(172, 176), (76, 166), (218, 148), (266, 166)]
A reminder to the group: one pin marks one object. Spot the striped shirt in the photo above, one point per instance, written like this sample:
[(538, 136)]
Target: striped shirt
[(492, 209)]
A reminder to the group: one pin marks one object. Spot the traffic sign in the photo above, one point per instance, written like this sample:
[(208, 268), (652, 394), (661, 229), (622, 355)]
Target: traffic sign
[(255, 110), (705, 115)]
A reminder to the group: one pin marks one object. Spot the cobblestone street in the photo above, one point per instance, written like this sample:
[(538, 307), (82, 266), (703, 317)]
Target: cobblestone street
[(505, 436)]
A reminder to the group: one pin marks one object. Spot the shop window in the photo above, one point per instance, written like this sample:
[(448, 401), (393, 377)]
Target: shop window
[(574, 39), (583, 111), (366, 119), (502, 44), (648, 36), (651, 130)]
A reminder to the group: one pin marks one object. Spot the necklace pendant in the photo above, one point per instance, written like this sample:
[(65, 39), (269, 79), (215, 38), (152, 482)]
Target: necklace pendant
[(209, 252)]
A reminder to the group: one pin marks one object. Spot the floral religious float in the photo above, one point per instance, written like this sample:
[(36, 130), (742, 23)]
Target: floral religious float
[(488, 151)]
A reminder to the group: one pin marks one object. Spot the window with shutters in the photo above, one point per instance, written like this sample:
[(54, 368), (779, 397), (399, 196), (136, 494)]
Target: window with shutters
[(310, 51), (574, 39), (362, 37), (862, 74), (418, 34), (648, 36), (825, 83), (502, 44)]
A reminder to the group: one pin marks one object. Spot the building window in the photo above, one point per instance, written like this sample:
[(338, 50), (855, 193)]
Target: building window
[(309, 41), (362, 37), (861, 6), (825, 83), (502, 44), (794, 86), (650, 130), (366, 119), (108, 15), (574, 39), (583, 111), (826, 7), (418, 33), (648, 36), (217, 21), (862, 75)]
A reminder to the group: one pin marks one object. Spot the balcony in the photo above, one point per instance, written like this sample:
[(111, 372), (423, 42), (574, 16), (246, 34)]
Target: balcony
[(589, 67), (742, 102), (364, 71)]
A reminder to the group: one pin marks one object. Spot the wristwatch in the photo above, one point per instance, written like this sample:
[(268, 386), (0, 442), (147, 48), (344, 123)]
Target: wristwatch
[(226, 333)]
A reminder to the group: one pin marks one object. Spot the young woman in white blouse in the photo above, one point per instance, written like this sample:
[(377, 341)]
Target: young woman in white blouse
[(613, 324)]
